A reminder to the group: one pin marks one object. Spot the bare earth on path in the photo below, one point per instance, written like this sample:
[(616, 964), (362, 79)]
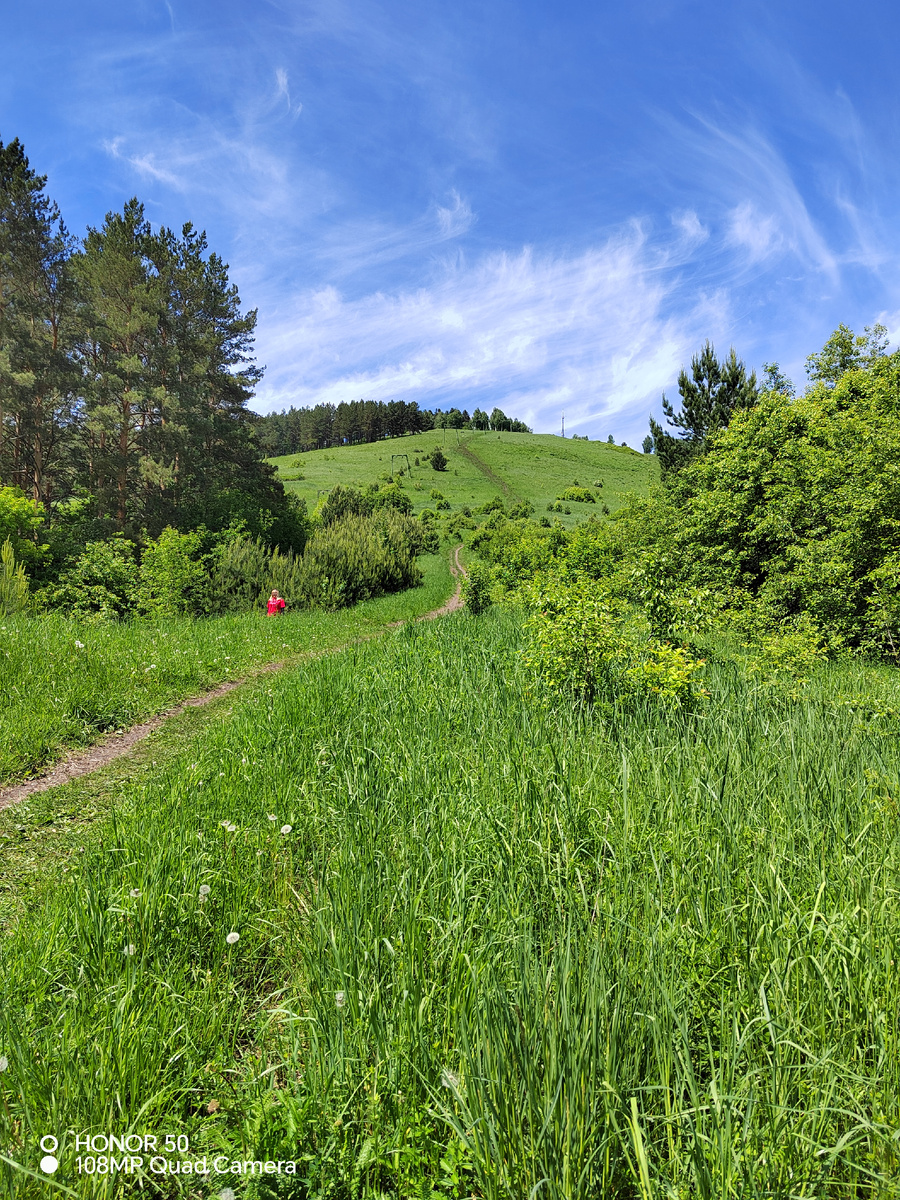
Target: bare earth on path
[(83, 762)]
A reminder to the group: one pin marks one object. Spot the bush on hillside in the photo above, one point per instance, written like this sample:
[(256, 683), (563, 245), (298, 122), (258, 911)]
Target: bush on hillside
[(476, 588), (580, 495), (439, 459), (586, 644), (356, 558)]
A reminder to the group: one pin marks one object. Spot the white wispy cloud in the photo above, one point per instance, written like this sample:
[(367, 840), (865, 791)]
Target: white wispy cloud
[(592, 334)]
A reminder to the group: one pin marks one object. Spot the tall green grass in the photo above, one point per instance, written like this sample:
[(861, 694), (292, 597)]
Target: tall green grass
[(503, 950), (64, 681)]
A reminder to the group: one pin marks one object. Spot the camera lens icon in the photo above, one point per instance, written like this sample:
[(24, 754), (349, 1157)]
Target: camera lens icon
[(49, 1162)]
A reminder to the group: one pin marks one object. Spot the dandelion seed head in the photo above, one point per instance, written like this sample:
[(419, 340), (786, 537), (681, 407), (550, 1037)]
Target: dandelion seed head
[(340, 999), (134, 893), (80, 645), (286, 828), (273, 817), (4, 1063), (130, 949), (232, 937), (205, 889), (449, 1079), (227, 1194)]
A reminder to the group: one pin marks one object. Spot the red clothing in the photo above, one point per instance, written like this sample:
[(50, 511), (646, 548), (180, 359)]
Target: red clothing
[(274, 607)]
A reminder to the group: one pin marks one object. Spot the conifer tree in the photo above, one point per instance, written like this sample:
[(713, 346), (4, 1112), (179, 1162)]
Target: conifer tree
[(710, 395), (38, 308)]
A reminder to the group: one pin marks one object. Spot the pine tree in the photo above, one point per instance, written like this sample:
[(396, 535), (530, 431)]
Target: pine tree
[(38, 308), (710, 395), (118, 350)]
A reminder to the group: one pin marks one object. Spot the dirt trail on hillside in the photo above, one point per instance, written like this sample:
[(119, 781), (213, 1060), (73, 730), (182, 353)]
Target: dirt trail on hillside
[(111, 747), (486, 471)]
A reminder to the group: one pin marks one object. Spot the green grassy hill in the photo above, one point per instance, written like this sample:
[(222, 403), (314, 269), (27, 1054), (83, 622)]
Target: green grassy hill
[(516, 466)]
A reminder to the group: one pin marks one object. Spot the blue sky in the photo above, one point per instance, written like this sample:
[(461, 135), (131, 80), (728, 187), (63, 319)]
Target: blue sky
[(543, 206)]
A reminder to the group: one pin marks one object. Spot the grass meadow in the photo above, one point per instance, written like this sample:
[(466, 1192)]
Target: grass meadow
[(515, 466), (486, 947), (65, 681)]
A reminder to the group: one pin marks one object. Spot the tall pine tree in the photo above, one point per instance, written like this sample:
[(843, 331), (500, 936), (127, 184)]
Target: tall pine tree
[(710, 395), (39, 383)]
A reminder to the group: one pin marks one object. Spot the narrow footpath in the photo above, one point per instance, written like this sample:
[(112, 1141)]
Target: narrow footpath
[(84, 762)]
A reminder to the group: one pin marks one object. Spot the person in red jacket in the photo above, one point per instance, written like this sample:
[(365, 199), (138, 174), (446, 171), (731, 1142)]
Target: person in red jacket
[(275, 607)]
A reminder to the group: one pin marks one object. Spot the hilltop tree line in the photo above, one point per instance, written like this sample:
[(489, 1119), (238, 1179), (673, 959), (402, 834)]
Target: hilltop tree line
[(126, 367), (295, 430)]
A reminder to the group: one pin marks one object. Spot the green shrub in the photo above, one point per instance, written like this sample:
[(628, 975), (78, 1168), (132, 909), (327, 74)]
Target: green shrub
[(355, 558), (390, 496), (476, 588), (173, 575), (341, 502), (102, 581), (587, 644), (443, 505), (20, 520), (495, 504), (439, 459), (577, 495), (436, 495), (245, 572), (13, 582)]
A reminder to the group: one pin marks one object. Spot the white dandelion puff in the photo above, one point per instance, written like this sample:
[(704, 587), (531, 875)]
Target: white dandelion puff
[(232, 937), (134, 893), (152, 667), (80, 645), (205, 889), (4, 1063), (340, 999), (227, 1194), (449, 1080), (286, 828), (273, 817), (130, 949)]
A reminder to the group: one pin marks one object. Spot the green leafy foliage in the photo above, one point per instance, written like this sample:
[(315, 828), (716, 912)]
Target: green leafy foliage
[(476, 588), (21, 521), (796, 504), (587, 644), (438, 459), (173, 576), (580, 495), (101, 582)]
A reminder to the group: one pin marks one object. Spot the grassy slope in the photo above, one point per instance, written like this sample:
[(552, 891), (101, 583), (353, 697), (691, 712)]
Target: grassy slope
[(57, 694), (533, 467), (696, 915)]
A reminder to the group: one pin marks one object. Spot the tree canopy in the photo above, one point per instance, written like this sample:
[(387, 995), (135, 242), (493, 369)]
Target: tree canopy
[(126, 367), (710, 395)]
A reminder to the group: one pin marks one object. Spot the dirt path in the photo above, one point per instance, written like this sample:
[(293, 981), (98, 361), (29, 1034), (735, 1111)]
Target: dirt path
[(84, 762), (486, 471)]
